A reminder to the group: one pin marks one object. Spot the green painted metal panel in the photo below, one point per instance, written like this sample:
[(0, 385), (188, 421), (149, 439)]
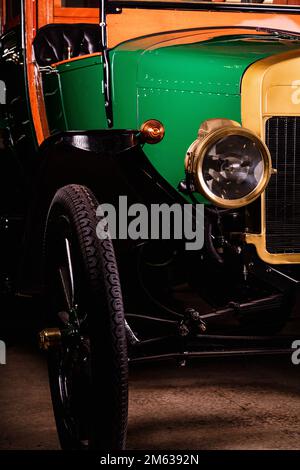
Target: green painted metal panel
[(124, 88), (80, 85), (181, 112), (174, 77), (182, 85), (213, 66)]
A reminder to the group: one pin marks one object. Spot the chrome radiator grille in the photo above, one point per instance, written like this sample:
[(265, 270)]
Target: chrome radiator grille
[(283, 191)]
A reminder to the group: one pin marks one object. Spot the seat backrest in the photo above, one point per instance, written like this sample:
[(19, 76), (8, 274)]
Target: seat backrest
[(55, 42)]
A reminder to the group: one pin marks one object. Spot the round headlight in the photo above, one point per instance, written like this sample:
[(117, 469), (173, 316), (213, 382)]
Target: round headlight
[(231, 166)]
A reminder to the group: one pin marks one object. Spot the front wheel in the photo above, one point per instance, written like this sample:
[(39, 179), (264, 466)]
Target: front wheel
[(88, 369)]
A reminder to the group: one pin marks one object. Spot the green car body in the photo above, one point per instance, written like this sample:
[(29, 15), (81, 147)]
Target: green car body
[(181, 85)]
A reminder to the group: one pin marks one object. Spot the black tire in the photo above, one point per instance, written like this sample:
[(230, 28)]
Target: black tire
[(88, 369)]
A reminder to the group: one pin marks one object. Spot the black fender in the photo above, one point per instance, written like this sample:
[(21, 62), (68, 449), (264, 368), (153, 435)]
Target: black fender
[(109, 162)]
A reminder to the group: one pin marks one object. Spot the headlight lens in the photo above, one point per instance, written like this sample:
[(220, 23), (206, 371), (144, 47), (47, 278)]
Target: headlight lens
[(231, 166)]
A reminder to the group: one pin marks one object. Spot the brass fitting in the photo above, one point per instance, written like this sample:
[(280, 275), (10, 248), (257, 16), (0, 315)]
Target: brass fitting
[(152, 131), (49, 338)]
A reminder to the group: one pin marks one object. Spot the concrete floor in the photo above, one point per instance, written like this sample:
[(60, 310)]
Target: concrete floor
[(245, 403)]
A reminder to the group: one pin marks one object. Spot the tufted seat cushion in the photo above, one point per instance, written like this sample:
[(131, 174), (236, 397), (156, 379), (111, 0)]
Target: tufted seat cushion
[(53, 40)]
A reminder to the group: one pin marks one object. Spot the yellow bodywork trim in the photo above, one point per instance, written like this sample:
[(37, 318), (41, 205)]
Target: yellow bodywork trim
[(270, 87)]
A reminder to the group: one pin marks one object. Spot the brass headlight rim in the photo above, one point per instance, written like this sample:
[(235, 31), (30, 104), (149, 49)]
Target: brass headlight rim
[(207, 142)]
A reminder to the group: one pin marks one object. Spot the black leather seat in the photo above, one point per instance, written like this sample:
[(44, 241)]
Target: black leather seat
[(52, 42)]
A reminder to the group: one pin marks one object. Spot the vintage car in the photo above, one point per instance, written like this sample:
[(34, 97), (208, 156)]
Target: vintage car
[(158, 104)]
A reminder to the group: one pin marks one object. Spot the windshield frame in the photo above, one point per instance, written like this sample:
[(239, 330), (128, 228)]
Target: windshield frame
[(116, 6)]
